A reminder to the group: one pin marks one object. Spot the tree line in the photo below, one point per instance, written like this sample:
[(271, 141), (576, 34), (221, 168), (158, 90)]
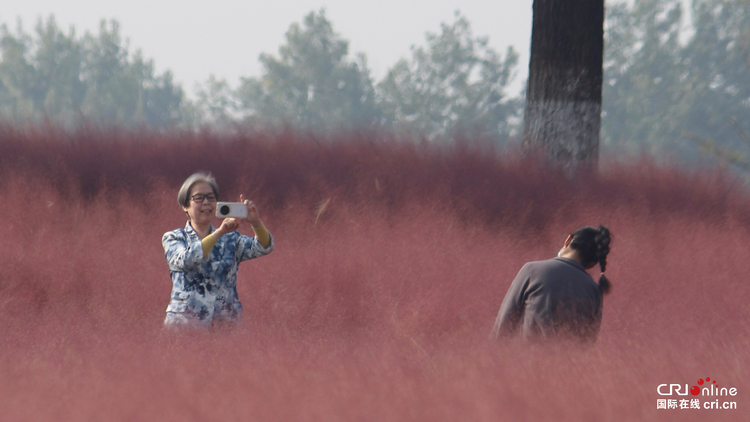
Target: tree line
[(670, 96), (53, 76), (666, 90), (455, 85)]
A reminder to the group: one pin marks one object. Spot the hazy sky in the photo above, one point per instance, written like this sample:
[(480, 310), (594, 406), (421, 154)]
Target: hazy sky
[(197, 38)]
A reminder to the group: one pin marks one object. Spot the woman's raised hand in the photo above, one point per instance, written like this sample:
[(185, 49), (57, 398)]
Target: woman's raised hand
[(253, 216), (229, 225)]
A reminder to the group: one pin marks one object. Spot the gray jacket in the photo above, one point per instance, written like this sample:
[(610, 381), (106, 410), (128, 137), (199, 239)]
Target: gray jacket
[(552, 298)]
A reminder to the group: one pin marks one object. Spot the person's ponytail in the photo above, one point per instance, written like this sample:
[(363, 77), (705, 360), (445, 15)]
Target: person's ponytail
[(603, 240), (604, 285)]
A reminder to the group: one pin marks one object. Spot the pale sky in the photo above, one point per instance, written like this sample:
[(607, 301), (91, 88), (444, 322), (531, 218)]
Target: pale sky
[(197, 38)]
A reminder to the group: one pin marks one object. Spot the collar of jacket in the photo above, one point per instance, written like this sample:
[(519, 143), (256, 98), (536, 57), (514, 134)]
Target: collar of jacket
[(571, 261)]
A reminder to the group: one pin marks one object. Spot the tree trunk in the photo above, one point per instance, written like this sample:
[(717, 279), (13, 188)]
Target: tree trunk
[(564, 93)]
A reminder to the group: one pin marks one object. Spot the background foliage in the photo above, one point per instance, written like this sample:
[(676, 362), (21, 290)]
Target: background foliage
[(668, 96), (58, 77), (672, 88)]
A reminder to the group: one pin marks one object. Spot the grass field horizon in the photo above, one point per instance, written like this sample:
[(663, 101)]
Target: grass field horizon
[(390, 263)]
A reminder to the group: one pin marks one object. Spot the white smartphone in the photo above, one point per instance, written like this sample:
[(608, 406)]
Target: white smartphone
[(231, 209)]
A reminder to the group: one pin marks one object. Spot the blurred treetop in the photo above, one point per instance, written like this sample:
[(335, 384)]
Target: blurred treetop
[(58, 77), (669, 98), (313, 83), (455, 86)]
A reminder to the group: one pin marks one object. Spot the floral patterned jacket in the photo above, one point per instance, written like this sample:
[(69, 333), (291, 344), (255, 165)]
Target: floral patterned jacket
[(205, 287)]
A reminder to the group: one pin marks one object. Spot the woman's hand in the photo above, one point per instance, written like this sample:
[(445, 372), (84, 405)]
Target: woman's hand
[(253, 216), (228, 225)]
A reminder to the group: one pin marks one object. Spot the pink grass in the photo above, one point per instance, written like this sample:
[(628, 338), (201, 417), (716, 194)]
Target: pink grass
[(390, 264)]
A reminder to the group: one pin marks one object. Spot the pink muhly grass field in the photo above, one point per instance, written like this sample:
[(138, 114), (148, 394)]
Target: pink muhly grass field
[(391, 261)]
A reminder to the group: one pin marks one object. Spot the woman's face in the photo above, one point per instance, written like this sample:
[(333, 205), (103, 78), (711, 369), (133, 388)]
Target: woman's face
[(201, 212)]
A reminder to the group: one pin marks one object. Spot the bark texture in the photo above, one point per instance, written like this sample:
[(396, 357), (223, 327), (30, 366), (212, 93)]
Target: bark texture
[(564, 93)]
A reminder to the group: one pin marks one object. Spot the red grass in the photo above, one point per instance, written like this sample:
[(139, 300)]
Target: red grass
[(376, 306)]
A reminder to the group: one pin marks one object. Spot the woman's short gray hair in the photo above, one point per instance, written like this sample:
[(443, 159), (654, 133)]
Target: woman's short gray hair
[(200, 177)]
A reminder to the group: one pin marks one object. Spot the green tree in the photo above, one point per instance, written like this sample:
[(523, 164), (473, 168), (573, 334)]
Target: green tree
[(113, 84), (644, 94), (126, 90), (59, 77), (216, 105), (670, 98), (454, 86), (312, 84), (161, 100), (41, 76), (717, 86), (17, 74)]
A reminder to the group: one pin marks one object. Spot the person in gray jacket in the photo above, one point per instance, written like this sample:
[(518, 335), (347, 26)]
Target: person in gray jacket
[(556, 298)]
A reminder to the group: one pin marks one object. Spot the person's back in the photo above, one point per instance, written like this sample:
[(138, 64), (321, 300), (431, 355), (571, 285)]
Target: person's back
[(550, 298), (556, 298)]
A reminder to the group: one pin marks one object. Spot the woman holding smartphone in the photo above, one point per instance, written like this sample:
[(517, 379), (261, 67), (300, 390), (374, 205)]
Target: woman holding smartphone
[(203, 261)]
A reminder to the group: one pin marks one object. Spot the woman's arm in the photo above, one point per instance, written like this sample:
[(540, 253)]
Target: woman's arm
[(510, 316), (181, 254), (262, 234), (227, 225)]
